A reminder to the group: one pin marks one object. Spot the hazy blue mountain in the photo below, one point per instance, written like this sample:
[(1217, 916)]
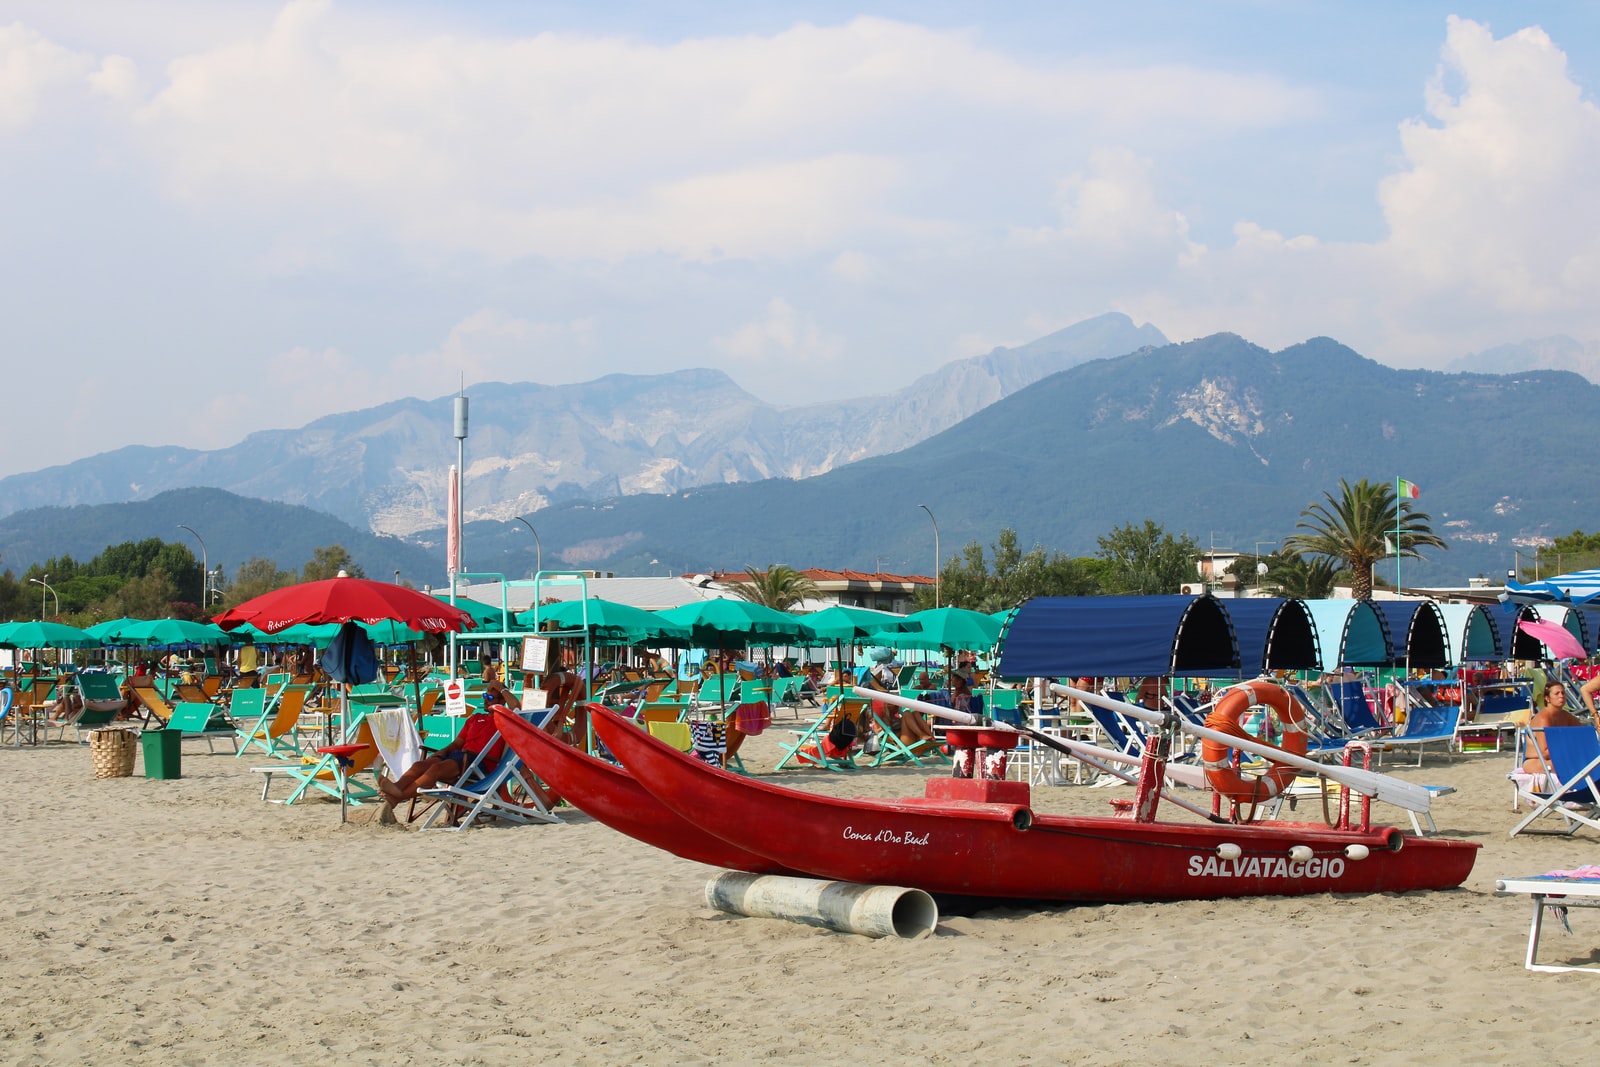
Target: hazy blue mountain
[(235, 528), (1218, 438), (384, 468), (1545, 353)]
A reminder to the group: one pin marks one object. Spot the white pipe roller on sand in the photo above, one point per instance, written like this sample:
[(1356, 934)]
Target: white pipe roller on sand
[(851, 908)]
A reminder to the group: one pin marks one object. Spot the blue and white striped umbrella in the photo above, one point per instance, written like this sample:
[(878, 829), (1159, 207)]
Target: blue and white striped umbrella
[(1580, 588)]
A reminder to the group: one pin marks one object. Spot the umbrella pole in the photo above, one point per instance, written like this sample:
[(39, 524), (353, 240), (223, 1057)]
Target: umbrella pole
[(411, 669)]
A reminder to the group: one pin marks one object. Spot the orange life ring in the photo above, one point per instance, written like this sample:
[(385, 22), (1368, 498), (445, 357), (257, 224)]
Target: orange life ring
[(1224, 718)]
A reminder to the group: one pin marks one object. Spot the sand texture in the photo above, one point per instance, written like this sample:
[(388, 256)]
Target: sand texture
[(188, 922)]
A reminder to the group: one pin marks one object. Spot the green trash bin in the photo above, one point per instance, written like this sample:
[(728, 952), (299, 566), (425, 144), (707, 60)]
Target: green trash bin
[(163, 753)]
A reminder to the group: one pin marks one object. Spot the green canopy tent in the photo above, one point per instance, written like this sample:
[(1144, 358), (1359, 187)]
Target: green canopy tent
[(943, 628), (608, 621), (743, 623), (713, 623), (168, 633), (844, 623), (42, 634), (105, 632)]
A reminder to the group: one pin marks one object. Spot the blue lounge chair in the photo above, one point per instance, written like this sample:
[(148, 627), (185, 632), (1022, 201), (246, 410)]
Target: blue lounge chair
[(1424, 726), (1574, 766)]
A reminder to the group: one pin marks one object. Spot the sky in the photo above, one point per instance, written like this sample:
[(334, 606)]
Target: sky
[(223, 216)]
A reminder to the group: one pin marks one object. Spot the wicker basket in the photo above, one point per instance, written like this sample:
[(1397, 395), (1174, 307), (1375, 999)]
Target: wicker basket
[(113, 752)]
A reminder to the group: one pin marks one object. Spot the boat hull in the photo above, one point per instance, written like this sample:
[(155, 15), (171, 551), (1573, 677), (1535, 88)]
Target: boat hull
[(609, 795), (1005, 851)]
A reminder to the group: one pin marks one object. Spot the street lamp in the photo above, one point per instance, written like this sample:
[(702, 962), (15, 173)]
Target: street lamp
[(45, 587), (205, 567), (1261, 568), (539, 547), (935, 522)]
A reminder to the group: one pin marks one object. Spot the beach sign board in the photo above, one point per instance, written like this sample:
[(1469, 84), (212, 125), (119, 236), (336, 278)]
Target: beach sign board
[(535, 699), (455, 697), (535, 654)]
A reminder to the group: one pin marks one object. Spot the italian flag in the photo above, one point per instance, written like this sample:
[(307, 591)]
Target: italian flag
[(1408, 489)]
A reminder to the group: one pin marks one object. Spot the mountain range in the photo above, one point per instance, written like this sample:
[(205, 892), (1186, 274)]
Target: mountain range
[(531, 446), (1217, 438), (235, 529), (1559, 352)]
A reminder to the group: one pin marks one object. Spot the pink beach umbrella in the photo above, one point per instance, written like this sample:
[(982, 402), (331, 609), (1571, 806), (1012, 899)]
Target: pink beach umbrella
[(1557, 639)]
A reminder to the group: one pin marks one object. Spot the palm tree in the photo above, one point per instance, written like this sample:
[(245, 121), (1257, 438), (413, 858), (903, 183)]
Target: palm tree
[(1354, 526), (777, 587), (1295, 575)]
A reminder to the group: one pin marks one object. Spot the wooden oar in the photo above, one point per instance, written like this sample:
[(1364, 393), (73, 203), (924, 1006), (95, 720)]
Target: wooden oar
[(1098, 758), (1389, 790)]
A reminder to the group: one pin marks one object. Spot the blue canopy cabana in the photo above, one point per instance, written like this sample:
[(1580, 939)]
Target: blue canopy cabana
[(1417, 635), (1512, 643), (1273, 633), (1470, 633), (1118, 636), (1350, 633)]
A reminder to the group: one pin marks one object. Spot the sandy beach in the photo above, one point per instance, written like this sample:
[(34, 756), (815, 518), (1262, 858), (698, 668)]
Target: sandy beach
[(188, 922)]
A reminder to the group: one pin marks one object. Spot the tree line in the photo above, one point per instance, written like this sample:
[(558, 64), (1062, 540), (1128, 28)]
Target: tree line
[(149, 579), (1337, 541)]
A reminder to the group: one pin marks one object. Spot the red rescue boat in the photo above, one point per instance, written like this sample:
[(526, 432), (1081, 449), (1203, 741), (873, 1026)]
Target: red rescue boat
[(609, 795), (979, 837)]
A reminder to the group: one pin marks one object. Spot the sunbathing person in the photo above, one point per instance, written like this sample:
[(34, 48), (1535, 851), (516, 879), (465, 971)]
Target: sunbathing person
[(1554, 713), (447, 764), (910, 726)]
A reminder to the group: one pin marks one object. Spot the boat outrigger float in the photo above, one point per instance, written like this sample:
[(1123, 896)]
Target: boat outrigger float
[(978, 836)]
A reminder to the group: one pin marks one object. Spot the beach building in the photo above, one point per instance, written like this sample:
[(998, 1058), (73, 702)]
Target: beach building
[(885, 592)]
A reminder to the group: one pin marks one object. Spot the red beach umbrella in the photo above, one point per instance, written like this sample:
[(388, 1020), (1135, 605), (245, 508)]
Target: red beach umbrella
[(341, 600)]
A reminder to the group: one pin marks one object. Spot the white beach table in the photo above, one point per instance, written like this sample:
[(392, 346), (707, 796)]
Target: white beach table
[(1551, 891)]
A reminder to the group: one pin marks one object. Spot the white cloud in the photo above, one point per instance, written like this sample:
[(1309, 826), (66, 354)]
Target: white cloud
[(782, 338), (577, 146), (491, 345), (561, 205), (117, 78), (1493, 227), (1499, 201), (31, 68)]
